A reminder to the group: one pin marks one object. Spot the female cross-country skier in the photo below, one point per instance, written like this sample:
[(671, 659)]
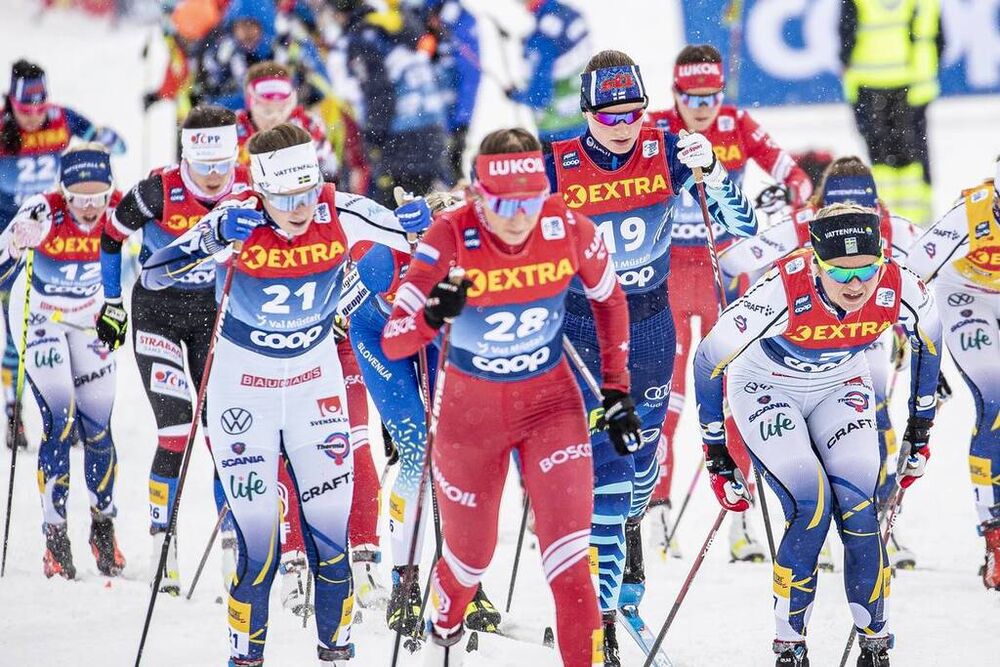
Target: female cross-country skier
[(801, 395)]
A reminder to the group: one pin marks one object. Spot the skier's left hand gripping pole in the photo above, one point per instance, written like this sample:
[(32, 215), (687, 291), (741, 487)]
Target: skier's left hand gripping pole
[(188, 447)]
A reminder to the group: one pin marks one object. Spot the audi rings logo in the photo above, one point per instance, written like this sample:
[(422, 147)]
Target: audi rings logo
[(292, 341), (236, 421), (959, 299), (657, 394)]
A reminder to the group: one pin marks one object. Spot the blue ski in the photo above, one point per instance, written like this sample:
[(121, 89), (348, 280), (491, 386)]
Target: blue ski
[(628, 618)]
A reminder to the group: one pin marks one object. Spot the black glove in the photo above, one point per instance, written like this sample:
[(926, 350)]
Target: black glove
[(772, 198), (624, 426), (445, 302), (112, 324), (149, 99), (914, 452), (943, 389), (391, 453)]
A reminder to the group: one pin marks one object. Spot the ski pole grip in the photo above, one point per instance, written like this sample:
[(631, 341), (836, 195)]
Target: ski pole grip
[(456, 275), (699, 176)]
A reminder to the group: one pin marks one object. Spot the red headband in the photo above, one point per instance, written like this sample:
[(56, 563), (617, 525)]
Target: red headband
[(698, 75), (512, 173)]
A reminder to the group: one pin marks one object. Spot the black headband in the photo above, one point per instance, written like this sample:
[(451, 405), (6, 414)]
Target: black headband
[(846, 234)]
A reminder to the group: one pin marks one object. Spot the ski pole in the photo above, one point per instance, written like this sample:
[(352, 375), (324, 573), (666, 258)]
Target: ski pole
[(893, 512), (455, 276), (189, 446), (699, 180), (695, 566), (208, 550), (517, 551), (59, 318), (684, 505), (29, 268)]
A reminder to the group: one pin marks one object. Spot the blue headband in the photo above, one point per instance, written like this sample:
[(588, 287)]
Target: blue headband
[(609, 86), (858, 190), (84, 166), (28, 90)]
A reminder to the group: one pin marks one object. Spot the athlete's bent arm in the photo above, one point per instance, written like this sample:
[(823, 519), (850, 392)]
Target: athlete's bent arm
[(364, 220), (140, 205), (760, 313), (919, 317), (170, 263), (407, 330), (755, 254), (943, 242)]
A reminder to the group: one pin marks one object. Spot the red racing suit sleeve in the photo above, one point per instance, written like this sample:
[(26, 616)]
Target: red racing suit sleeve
[(407, 331), (607, 302), (773, 159)]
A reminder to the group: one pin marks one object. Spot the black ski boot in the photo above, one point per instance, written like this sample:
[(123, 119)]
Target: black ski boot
[(874, 651), (480, 614), (611, 657), (790, 654), (110, 561), (403, 612), (332, 657), (634, 577), (15, 435), (58, 558)]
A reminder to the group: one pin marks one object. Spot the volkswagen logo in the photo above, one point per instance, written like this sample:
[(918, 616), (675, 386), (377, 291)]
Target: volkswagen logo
[(959, 299), (236, 421)]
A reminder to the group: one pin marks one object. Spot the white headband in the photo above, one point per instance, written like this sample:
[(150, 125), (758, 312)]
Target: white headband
[(209, 144), (286, 170)]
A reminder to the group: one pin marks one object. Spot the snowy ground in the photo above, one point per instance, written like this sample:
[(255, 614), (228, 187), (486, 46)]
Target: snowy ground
[(941, 615)]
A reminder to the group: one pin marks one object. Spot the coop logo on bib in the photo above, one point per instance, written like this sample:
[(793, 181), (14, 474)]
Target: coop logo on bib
[(168, 381)]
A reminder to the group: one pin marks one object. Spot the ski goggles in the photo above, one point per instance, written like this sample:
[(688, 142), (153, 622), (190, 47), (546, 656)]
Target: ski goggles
[(221, 167), (289, 203), (508, 207), (612, 119), (96, 200), (844, 275), (696, 101)]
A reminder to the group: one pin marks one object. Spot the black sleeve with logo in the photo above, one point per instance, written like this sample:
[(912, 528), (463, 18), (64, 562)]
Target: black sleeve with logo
[(141, 204)]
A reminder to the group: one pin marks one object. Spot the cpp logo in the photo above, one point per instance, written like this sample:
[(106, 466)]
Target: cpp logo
[(236, 421), (292, 341), (638, 278), (657, 394)]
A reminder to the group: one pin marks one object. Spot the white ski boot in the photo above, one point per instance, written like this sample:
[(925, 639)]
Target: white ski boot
[(369, 589), (743, 544), (170, 582), (294, 570), (444, 649), (900, 557), (661, 524)]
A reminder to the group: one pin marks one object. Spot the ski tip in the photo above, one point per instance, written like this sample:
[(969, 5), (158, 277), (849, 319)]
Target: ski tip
[(548, 637), (473, 643)]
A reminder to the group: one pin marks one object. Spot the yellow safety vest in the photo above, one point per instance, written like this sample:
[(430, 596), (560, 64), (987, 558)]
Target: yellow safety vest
[(981, 264), (924, 85), (881, 55)]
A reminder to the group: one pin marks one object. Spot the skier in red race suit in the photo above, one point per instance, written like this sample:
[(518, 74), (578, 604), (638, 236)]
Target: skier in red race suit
[(736, 140), (505, 383)]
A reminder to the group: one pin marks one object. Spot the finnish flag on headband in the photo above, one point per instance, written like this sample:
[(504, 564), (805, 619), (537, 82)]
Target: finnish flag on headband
[(609, 86)]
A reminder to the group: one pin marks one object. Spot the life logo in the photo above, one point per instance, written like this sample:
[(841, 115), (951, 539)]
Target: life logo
[(638, 278), (337, 447), (855, 399), (236, 421)]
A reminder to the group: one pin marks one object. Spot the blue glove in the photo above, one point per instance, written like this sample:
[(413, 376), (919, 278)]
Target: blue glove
[(114, 143), (238, 223), (414, 216)]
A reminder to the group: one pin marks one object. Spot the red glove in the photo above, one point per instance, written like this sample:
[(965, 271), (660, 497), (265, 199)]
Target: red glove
[(728, 484), (914, 452), (799, 186)]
